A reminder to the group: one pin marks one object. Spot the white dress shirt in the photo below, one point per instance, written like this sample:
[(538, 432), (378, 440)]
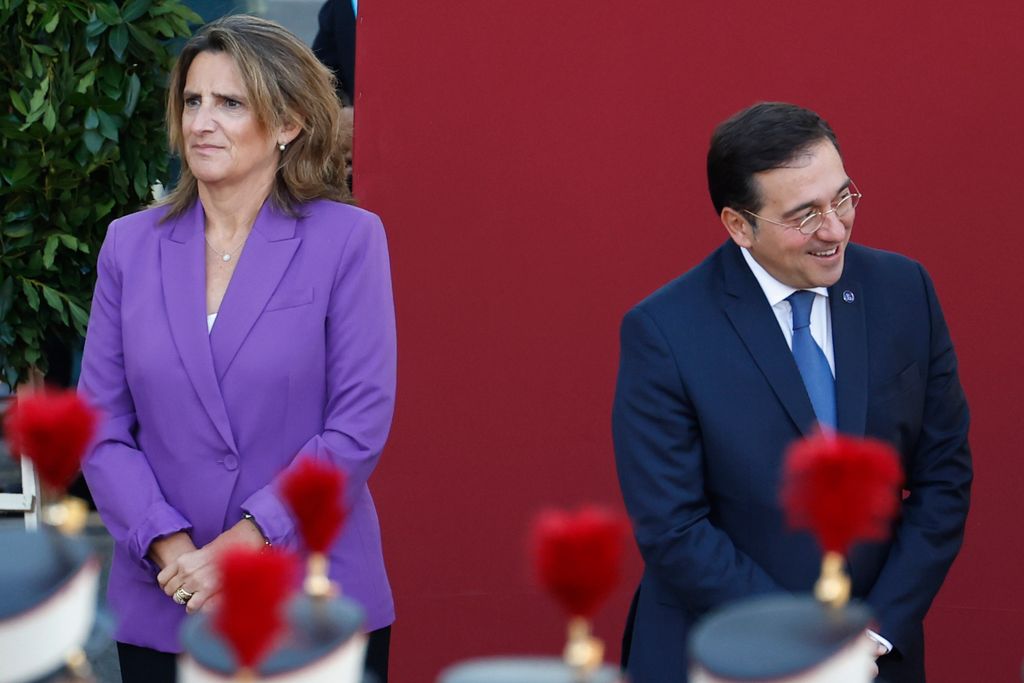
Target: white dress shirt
[(776, 293), (821, 331)]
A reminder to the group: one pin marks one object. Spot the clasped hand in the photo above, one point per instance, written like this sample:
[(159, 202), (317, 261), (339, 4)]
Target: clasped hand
[(183, 566)]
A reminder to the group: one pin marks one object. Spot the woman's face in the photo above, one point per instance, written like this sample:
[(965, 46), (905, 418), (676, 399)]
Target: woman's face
[(225, 146)]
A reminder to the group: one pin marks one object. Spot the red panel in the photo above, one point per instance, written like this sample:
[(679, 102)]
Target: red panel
[(539, 166)]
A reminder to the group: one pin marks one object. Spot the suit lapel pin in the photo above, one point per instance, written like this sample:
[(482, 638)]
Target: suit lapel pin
[(848, 296)]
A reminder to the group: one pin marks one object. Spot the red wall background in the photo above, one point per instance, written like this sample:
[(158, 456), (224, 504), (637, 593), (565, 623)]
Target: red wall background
[(539, 166)]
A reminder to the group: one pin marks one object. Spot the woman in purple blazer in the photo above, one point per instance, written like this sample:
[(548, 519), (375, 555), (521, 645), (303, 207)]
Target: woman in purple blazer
[(246, 319)]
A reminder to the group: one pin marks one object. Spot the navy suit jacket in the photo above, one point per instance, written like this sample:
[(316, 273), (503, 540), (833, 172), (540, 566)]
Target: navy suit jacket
[(708, 398), (335, 45)]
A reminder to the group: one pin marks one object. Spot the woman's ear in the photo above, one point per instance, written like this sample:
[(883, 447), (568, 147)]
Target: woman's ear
[(289, 131)]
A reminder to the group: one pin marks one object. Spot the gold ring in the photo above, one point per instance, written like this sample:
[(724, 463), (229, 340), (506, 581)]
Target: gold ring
[(181, 596)]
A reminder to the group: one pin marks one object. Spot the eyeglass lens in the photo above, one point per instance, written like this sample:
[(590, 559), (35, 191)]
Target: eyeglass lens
[(812, 223)]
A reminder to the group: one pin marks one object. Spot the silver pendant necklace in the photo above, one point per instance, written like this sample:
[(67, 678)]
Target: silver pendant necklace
[(224, 256)]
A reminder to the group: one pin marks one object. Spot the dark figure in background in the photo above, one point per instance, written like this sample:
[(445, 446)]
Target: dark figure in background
[(335, 45), (786, 325)]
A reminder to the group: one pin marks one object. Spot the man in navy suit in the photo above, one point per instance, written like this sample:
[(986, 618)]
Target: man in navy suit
[(335, 45), (715, 380)]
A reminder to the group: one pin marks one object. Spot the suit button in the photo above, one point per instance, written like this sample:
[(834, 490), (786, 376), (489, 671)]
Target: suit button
[(230, 462)]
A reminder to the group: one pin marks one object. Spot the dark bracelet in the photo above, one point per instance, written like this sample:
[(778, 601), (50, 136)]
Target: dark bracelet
[(248, 516)]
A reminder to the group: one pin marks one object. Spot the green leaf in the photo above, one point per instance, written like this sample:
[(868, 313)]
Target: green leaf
[(49, 118), (18, 173), (145, 40), (93, 140), (141, 181), (95, 27), (48, 252), (111, 80), (6, 296), (84, 67), (107, 13), (187, 13), (108, 125), (31, 294), (78, 215), (119, 176), (135, 9), (53, 299), (164, 27), (59, 220), (19, 214), (103, 208), (118, 40), (80, 14), (19, 230), (18, 103), (37, 64), (29, 334), (38, 97), (70, 241), (86, 81), (33, 353), (31, 118), (132, 97), (180, 25), (51, 25), (45, 50), (80, 317), (92, 119)]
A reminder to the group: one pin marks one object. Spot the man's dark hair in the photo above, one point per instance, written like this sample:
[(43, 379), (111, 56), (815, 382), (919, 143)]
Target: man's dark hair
[(762, 137)]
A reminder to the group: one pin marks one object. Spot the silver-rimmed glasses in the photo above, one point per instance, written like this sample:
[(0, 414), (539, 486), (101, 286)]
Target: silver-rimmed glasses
[(809, 224)]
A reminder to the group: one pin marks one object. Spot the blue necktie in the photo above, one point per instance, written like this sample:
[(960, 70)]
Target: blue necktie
[(811, 361)]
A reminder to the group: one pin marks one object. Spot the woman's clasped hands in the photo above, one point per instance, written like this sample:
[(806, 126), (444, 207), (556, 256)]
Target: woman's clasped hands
[(190, 575)]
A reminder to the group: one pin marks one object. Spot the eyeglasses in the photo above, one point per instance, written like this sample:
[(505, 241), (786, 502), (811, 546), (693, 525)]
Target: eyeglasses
[(813, 221)]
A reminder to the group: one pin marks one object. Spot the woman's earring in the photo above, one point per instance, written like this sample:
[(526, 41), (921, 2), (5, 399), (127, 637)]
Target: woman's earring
[(281, 146)]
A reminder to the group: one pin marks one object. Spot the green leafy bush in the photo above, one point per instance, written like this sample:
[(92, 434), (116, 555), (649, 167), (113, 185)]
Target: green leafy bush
[(82, 141)]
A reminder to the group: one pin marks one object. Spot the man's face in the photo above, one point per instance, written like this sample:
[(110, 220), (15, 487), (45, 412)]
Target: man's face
[(811, 182)]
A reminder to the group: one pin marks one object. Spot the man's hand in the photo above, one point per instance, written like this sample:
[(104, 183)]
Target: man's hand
[(878, 649)]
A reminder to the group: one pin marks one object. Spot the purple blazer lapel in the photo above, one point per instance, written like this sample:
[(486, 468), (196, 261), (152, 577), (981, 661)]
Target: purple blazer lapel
[(262, 264), (183, 276)]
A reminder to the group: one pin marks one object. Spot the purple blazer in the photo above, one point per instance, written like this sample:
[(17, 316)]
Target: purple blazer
[(200, 426)]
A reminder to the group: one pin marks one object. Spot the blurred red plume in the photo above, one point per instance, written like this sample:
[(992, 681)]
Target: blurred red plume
[(314, 490), (841, 488), (255, 584), (52, 428), (578, 556)]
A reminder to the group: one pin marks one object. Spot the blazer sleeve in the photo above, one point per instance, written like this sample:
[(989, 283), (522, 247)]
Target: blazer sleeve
[(120, 479), (361, 368), (660, 461), (938, 478)]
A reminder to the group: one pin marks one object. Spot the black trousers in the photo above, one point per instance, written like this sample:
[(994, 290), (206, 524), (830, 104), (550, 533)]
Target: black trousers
[(143, 665)]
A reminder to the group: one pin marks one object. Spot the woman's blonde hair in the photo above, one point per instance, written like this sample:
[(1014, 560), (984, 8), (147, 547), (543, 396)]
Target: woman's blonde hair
[(285, 83)]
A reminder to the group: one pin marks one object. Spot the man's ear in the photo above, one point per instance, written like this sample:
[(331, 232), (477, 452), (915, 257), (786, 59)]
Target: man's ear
[(739, 228)]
